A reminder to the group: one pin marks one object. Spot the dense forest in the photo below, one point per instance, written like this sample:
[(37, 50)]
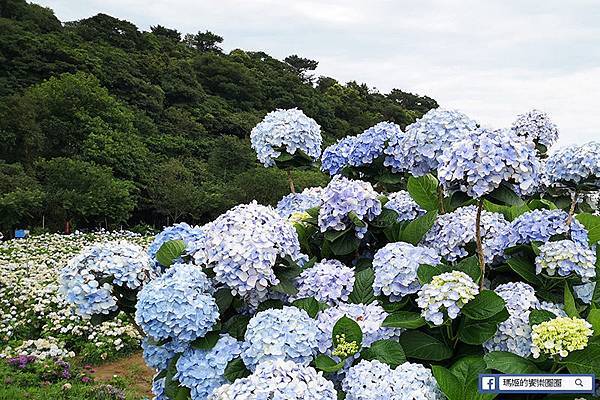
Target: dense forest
[(102, 124)]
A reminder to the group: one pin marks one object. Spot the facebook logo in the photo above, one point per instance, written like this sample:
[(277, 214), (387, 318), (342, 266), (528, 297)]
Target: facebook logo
[(487, 383)]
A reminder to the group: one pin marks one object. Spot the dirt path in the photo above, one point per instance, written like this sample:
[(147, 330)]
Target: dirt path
[(131, 368)]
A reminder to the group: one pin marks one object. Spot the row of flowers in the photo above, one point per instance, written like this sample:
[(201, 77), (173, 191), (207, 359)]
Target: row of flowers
[(35, 317), (433, 255)]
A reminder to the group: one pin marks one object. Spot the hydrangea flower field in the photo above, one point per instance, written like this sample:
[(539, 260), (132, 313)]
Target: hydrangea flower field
[(434, 254)]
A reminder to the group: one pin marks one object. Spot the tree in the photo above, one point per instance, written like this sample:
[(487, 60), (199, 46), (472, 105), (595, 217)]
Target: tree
[(83, 192), (173, 192), (171, 34), (204, 41), (302, 65), (20, 196)]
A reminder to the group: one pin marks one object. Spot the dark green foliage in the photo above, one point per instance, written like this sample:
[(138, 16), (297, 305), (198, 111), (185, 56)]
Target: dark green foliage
[(169, 112)]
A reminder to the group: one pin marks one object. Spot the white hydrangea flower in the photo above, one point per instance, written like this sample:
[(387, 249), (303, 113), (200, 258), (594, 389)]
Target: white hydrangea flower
[(565, 257), (445, 296)]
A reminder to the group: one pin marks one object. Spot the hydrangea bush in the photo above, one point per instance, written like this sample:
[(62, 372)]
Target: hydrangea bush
[(433, 255)]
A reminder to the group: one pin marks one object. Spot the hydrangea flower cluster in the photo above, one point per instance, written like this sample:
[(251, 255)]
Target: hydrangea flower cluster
[(417, 151), (335, 157), (328, 281), (202, 370), (451, 233), (514, 334), (369, 317), (287, 129), (299, 202), (374, 380), (404, 205), (585, 292), (395, 266), (446, 295), (158, 356), (279, 379), (243, 246), (343, 196), (177, 305), (88, 279), (182, 231), (565, 257), (560, 336), (536, 126), (370, 144), (541, 225), (574, 165), (286, 334), (479, 162)]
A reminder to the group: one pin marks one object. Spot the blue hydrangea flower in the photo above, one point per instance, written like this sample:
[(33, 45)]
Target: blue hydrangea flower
[(536, 126), (336, 156), (124, 264), (244, 244), (374, 380), (280, 334), (368, 316), (518, 296), (445, 295), (299, 202), (158, 356), (370, 144), (158, 389), (452, 233), (565, 257), (328, 281), (343, 196), (418, 149), (202, 370), (404, 205), (585, 292), (479, 162), (182, 231), (541, 225), (177, 305), (396, 266), (288, 129), (279, 380), (573, 165), (514, 334)]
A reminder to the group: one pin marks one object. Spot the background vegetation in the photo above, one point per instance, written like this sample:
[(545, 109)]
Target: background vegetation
[(104, 124)]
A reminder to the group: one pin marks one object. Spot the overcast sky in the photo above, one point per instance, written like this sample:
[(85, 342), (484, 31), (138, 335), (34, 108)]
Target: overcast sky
[(491, 59)]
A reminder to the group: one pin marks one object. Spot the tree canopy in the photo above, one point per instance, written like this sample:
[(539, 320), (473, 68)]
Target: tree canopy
[(153, 115)]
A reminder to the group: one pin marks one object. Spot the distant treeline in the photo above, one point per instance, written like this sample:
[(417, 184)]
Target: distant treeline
[(103, 124)]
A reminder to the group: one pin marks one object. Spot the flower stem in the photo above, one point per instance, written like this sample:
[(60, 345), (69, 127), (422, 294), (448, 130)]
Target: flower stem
[(440, 193), (574, 198), (479, 242), (290, 181)]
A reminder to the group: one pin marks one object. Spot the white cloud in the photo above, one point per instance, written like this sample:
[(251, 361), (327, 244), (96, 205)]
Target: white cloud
[(491, 59)]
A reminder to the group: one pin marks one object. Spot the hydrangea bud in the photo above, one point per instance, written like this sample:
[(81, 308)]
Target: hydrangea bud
[(560, 336)]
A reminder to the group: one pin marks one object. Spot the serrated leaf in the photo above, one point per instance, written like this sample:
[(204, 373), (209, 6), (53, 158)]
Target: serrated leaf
[(525, 269), (170, 251), (404, 319), (421, 346), (385, 219), (417, 228), (308, 304), (536, 317), (223, 298), (207, 342), (236, 326), (426, 272), (592, 224), (362, 292), (423, 190), (569, 301), (486, 304), (469, 266), (327, 364), (448, 383), (236, 369), (476, 332), (387, 351), (349, 329), (509, 363)]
